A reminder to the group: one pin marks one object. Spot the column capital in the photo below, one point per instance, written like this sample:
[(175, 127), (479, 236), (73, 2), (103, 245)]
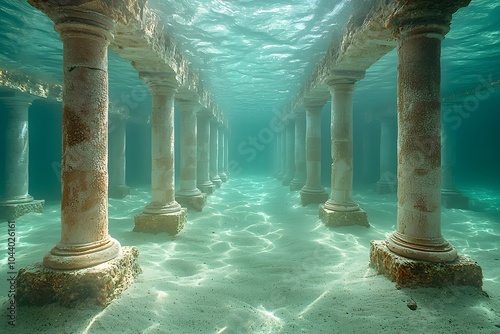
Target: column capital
[(14, 98), (73, 22), (162, 83), (188, 105), (423, 17), (344, 77)]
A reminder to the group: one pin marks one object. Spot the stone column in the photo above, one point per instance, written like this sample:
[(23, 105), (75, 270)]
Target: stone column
[(279, 157), (299, 179), (117, 156), (313, 192), (163, 213), (419, 32), (388, 155), (15, 200), (189, 195), (222, 150), (203, 174), (86, 255), (214, 153), (226, 151), (341, 209), (289, 153), (451, 197)]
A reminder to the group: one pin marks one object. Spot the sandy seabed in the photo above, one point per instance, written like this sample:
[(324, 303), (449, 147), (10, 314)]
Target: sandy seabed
[(256, 261)]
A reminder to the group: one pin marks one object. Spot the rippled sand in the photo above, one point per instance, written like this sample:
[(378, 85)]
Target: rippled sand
[(255, 261)]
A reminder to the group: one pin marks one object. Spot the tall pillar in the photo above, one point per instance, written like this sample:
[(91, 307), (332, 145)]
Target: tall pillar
[(299, 179), (388, 155), (189, 195), (203, 173), (313, 192), (226, 151), (451, 197), (117, 156), (86, 255), (214, 153), (409, 256), (341, 209), (163, 213), (222, 150), (15, 200), (279, 155), (289, 152)]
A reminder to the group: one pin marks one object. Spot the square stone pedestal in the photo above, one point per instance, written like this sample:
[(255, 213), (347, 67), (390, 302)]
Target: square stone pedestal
[(196, 202), (118, 192), (98, 285), (307, 198), (343, 218), (207, 189), (454, 200), (172, 223), (385, 188), (10, 212), (217, 183), (408, 273)]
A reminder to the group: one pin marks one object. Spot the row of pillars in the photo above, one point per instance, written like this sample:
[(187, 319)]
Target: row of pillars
[(85, 245), (419, 160)]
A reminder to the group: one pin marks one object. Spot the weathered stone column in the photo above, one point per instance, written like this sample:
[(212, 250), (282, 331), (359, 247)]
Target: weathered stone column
[(226, 151), (86, 256), (313, 192), (189, 195), (222, 150), (388, 155), (451, 197), (117, 156), (299, 179), (279, 156), (419, 32), (214, 153), (282, 153), (163, 213), (15, 200), (341, 209), (289, 152), (203, 174)]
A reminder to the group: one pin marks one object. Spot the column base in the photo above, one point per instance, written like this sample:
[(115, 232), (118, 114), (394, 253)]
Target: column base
[(343, 218), (286, 181), (207, 189), (217, 183), (312, 197), (119, 192), (98, 285), (408, 273), (223, 177), (10, 212), (172, 223), (454, 200), (196, 202), (385, 188), (296, 185)]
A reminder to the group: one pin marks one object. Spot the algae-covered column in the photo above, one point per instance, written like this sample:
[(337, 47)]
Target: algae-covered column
[(86, 255), (163, 213), (15, 200), (222, 150), (341, 209), (214, 153), (117, 156), (299, 179), (419, 31), (289, 152), (203, 173), (313, 192), (188, 194), (388, 159)]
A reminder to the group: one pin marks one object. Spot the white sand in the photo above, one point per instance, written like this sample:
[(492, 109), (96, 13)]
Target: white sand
[(255, 261)]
